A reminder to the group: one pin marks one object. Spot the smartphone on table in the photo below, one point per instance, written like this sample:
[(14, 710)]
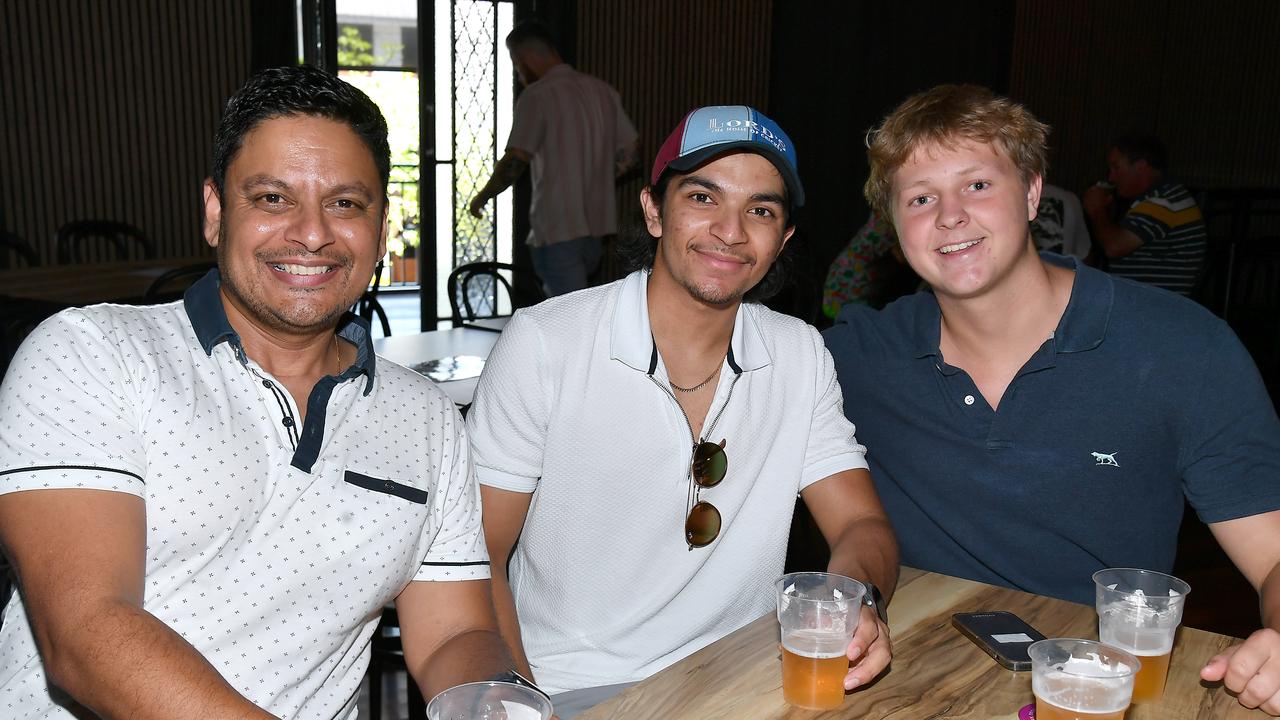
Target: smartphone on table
[(1002, 635)]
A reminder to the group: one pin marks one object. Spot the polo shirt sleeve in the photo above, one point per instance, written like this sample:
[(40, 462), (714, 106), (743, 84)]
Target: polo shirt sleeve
[(832, 447), (528, 126), (507, 421), (69, 411), (1144, 220), (458, 550), (1230, 451)]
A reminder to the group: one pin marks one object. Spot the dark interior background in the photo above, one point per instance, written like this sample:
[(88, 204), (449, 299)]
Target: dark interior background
[(108, 108)]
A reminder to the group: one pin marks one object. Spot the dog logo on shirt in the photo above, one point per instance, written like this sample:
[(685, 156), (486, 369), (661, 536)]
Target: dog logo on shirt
[(1105, 459)]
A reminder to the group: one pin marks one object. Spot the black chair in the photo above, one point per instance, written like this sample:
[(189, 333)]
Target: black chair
[(18, 317), (368, 306), (83, 241), (473, 291), (6, 585), (171, 285), (15, 251), (387, 655)]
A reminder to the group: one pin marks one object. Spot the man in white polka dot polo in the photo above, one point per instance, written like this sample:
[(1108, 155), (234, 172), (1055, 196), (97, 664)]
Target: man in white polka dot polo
[(208, 503)]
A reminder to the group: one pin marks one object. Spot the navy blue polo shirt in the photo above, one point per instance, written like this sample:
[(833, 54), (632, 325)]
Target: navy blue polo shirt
[(1139, 397)]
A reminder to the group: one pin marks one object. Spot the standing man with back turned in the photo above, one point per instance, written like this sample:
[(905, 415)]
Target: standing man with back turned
[(645, 440), (1034, 420), (572, 129), (208, 503)]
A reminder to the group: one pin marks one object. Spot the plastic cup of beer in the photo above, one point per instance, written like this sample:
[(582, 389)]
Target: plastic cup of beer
[(818, 613), (1139, 611), (1081, 679), (489, 701)]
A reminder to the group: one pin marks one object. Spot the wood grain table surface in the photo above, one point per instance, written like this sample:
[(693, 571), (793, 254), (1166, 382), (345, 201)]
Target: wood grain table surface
[(89, 283), (936, 671)]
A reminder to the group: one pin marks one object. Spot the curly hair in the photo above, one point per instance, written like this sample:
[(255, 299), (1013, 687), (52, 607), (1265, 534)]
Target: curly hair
[(948, 115)]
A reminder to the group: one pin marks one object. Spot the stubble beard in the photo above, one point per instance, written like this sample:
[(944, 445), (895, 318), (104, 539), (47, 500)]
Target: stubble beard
[(707, 293), (250, 295)]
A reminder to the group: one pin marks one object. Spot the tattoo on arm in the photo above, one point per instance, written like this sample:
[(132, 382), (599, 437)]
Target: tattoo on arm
[(509, 170)]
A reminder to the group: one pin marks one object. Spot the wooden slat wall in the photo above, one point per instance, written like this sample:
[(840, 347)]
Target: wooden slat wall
[(1205, 77), (667, 57), (108, 112)]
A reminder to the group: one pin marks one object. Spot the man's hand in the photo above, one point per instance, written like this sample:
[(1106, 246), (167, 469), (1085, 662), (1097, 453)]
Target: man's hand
[(1251, 670), (870, 650), (505, 174), (1097, 200)]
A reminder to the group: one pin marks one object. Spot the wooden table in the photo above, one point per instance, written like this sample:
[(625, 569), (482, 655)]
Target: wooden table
[(936, 672), (409, 350), (89, 283)]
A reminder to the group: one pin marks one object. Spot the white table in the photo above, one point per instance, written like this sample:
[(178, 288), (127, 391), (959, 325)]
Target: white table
[(409, 350), (490, 324)]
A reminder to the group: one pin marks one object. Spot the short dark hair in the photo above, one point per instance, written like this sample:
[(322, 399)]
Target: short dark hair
[(298, 90), (532, 31), (1141, 145), (637, 250)]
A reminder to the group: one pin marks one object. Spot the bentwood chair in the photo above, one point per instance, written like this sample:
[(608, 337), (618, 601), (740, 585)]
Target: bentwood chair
[(475, 292), (171, 285), (82, 241), (6, 584), (387, 655), (18, 317), (368, 306), (15, 251)]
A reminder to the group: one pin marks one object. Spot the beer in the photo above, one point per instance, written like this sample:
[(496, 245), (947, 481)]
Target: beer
[(1148, 686), (1048, 711), (1081, 679), (1139, 611), (813, 669), (1152, 648)]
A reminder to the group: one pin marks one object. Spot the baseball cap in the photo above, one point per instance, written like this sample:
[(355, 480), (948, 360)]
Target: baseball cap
[(711, 131)]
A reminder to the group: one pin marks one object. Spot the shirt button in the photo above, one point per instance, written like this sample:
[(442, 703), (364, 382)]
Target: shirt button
[(968, 399), (286, 421)]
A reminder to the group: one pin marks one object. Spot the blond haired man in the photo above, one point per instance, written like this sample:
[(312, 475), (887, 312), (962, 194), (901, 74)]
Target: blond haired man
[(1034, 420)]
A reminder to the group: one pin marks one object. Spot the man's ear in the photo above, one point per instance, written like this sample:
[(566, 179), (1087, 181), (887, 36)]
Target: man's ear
[(1034, 188), (212, 213), (652, 215), (382, 234), (785, 237)]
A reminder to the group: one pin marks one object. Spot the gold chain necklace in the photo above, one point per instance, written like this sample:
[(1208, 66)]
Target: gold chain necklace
[(697, 387), (337, 357)]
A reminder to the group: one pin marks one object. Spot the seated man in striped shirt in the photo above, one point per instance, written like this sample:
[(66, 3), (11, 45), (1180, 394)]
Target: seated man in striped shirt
[(1160, 240)]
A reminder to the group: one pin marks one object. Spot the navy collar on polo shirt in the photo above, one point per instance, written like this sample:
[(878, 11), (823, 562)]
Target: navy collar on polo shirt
[(1083, 325), (209, 321)]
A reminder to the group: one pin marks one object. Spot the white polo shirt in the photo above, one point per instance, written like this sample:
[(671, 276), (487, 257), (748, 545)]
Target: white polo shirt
[(271, 548), (572, 407)]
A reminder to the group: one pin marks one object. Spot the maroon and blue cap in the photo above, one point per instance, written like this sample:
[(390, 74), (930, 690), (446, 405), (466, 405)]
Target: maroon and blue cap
[(711, 131)]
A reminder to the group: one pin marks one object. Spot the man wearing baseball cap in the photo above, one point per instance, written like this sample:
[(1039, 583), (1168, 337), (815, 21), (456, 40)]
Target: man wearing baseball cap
[(645, 440)]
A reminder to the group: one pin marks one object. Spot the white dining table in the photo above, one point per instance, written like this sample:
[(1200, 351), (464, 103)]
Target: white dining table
[(465, 343)]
